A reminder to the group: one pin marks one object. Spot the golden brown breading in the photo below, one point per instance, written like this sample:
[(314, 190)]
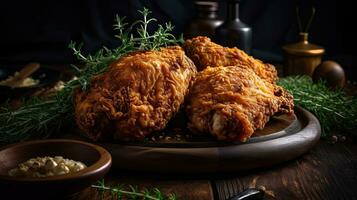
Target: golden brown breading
[(232, 102), (205, 53), (137, 95)]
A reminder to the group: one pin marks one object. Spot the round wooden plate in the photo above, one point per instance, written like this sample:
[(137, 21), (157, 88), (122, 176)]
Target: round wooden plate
[(284, 138)]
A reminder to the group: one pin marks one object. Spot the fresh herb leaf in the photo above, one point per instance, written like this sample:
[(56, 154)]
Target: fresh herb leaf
[(133, 192), (334, 109)]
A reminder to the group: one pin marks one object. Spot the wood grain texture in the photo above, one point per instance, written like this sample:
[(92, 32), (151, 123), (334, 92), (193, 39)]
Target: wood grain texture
[(328, 171), (183, 189)]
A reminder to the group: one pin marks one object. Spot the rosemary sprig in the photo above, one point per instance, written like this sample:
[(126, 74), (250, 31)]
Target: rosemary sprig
[(120, 192), (37, 119), (41, 118), (334, 109), (98, 63)]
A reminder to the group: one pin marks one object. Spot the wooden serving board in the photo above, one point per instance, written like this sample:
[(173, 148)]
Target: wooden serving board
[(284, 138)]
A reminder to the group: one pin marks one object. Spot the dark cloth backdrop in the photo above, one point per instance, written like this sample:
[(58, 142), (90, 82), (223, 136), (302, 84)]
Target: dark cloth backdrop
[(41, 30)]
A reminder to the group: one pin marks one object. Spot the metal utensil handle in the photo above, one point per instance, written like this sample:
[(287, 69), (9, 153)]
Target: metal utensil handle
[(249, 194)]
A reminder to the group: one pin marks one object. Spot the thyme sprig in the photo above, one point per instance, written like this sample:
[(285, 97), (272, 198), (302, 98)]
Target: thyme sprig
[(39, 118), (119, 192), (334, 109)]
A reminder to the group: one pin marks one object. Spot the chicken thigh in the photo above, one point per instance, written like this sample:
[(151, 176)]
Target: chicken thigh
[(137, 95), (232, 102)]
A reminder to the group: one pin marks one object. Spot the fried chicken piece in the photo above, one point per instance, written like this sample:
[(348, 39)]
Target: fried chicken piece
[(204, 53), (137, 95), (232, 102)]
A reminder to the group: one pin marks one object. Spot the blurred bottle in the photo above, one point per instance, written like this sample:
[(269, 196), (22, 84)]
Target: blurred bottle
[(206, 21), (233, 32)]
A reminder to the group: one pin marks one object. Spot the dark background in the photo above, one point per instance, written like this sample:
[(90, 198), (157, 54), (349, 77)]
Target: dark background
[(41, 30)]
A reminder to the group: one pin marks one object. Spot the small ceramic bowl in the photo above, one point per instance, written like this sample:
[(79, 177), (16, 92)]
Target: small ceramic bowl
[(97, 159)]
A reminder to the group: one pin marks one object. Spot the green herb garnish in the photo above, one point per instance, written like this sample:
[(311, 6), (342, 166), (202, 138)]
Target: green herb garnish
[(334, 109), (120, 192)]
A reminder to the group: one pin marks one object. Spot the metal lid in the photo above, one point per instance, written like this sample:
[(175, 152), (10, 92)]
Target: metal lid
[(207, 5), (304, 47)]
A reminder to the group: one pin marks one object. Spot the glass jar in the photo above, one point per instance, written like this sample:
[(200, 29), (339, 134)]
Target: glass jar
[(206, 21)]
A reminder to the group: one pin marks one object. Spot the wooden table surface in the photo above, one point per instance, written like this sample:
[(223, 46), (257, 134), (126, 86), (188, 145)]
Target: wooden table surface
[(328, 171)]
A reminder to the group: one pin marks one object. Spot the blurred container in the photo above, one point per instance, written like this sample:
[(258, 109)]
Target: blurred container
[(302, 57), (206, 21), (331, 72), (233, 32)]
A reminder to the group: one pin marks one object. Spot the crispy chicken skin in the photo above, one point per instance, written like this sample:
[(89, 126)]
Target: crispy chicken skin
[(232, 102), (204, 52), (137, 95)]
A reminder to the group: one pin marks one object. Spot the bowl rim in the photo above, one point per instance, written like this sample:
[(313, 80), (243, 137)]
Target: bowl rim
[(104, 162)]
